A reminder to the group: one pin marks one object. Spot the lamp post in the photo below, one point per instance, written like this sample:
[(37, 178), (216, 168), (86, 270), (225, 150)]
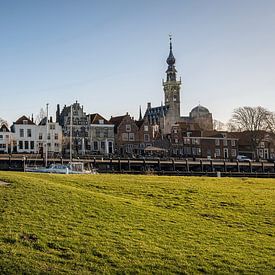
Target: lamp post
[(46, 153)]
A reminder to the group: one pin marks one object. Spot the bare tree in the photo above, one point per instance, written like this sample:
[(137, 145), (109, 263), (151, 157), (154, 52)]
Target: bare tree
[(254, 120), (218, 125), (42, 114)]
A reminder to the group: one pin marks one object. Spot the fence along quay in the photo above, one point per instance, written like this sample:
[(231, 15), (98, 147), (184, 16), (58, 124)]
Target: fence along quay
[(152, 166)]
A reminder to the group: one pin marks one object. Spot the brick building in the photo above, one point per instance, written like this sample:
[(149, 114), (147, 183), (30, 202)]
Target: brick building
[(189, 140)]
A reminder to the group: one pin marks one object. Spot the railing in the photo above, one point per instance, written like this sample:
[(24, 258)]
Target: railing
[(153, 166)]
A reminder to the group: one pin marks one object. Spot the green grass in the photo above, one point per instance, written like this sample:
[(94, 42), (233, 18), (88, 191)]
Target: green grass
[(77, 224)]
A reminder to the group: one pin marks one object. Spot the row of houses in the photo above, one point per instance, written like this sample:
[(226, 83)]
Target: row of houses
[(84, 134), (92, 134)]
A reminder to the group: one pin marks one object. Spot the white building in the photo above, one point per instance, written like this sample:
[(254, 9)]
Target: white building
[(54, 138), (24, 134), (31, 138), (101, 135), (6, 139)]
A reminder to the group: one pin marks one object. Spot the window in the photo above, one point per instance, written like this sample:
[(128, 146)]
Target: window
[(101, 121), (186, 141), (131, 136), (128, 128), (217, 142), (233, 152), (29, 132), (95, 146), (1, 136), (49, 136), (262, 145), (105, 133), (52, 126), (146, 128), (194, 151), (56, 145), (102, 145), (146, 137), (175, 131), (174, 98), (25, 121), (233, 142), (218, 152), (124, 136), (97, 132), (40, 136), (225, 142), (110, 133), (21, 132), (20, 144), (26, 145), (176, 140), (32, 145), (56, 136)]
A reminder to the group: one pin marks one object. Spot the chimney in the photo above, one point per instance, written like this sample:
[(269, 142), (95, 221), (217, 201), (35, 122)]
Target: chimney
[(57, 113), (51, 119)]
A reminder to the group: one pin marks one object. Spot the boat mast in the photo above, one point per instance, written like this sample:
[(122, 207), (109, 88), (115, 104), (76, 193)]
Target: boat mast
[(46, 153), (71, 133)]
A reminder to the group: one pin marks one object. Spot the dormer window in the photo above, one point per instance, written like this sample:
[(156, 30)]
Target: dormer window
[(128, 128), (25, 121), (101, 121)]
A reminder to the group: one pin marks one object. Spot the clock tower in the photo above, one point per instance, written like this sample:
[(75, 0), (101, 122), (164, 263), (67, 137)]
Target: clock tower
[(171, 88)]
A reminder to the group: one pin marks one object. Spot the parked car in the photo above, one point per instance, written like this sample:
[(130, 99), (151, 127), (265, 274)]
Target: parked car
[(243, 158)]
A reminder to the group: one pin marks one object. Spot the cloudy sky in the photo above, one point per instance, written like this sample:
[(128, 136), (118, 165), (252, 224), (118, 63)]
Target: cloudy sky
[(110, 55)]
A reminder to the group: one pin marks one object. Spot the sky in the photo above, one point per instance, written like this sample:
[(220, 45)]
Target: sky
[(110, 56)]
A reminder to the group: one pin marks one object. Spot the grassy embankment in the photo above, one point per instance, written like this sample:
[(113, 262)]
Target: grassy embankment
[(140, 224)]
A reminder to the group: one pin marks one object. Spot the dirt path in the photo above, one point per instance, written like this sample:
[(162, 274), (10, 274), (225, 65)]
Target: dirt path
[(4, 183)]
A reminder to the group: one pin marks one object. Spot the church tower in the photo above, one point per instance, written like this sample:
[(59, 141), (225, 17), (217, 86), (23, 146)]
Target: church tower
[(171, 88)]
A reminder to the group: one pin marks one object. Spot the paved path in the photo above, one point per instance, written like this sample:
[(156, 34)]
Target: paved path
[(4, 183)]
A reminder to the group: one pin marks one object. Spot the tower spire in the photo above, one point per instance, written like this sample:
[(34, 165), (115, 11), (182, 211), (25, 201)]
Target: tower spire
[(171, 60), (140, 114)]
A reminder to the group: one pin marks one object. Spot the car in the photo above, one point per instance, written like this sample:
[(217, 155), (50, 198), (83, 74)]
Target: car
[(243, 158)]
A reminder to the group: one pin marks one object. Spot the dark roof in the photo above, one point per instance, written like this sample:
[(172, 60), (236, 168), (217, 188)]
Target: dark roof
[(139, 123), (116, 120), (24, 118), (200, 109), (95, 118), (156, 112), (43, 121), (4, 126)]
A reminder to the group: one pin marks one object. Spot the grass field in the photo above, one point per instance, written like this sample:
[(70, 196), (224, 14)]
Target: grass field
[(77, 224)]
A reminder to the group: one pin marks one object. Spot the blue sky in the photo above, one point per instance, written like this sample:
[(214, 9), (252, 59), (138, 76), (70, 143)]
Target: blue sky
[(110, 55)]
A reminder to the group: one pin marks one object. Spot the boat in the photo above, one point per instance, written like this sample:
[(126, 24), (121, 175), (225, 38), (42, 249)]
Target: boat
[(71, 168)]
